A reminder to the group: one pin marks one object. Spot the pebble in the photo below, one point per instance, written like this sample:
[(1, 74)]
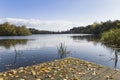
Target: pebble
[(65, 69), (33, 72), (1, 79)]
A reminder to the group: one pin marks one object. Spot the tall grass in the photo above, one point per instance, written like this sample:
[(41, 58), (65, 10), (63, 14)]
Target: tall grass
[(62, 50)]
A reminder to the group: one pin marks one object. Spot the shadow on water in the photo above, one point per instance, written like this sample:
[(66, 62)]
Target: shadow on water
[(7, 43)]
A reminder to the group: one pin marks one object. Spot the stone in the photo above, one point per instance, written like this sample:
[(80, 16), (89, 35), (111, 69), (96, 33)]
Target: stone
[(1, 78)]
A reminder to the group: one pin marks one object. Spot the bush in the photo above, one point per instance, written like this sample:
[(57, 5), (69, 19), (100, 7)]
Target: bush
[(7, 29), (111, 37)]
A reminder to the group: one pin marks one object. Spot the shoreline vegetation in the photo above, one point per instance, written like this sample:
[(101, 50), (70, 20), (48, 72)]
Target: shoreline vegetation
[(108, 31), (95, 28), (7, 29), (112, 38)]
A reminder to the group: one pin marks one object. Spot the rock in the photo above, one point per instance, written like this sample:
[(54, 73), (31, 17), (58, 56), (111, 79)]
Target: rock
[(22, 79), (94, 73), (16, 76), (33, 72), (75, 79), (21, 70), (52, 78), (1, 78), (13, 72), (1, 74), (4, 75)]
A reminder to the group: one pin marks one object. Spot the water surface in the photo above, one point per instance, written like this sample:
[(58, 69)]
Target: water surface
[(18, 51)]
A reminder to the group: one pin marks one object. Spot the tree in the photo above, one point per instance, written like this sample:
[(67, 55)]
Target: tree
[(111, 37), (22, 30), (7, 29)]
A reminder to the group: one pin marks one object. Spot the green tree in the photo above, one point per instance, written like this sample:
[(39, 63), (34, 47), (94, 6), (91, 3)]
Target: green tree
[(7, 29), (111, 37), (22, 30)]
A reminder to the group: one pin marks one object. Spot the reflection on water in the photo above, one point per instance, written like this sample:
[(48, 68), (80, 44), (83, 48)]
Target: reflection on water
[(96, 38), (28, 50), (87, 37), (115, 58), (15, 58), (11, 43), (7, 43), (17, 53)]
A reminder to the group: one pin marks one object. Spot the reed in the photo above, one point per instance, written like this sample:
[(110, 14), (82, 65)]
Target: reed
[(62, 50)]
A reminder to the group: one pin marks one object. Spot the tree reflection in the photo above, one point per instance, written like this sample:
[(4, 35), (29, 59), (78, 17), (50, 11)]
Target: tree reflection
[(7, 43), (13, 43), (17, 52), (115, 58), (94, 38)]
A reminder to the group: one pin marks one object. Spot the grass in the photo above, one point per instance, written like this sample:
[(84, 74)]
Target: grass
[(62, 50)]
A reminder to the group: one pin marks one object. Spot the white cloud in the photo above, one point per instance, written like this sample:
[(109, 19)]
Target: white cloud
[(40, 24)]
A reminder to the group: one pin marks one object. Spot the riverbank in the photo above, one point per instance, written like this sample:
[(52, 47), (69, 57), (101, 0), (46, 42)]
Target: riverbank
[(63, 69)]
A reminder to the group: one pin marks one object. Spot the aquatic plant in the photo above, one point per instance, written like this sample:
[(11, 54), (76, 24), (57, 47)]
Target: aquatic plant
[(62, 50)]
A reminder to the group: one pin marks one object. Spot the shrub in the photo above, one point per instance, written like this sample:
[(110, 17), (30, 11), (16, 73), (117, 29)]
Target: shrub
[(112, 37)]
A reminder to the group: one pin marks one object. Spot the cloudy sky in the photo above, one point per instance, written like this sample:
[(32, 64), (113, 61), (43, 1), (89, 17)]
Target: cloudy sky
[(57, 15)]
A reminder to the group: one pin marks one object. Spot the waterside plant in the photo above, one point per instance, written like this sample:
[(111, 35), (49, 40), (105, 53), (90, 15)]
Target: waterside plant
[(62, 50)]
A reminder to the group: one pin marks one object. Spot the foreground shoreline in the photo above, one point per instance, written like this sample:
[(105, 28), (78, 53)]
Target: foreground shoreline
[(63, 69)]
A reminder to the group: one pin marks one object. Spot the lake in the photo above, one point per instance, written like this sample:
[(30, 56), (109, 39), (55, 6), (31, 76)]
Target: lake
[(20, 51)]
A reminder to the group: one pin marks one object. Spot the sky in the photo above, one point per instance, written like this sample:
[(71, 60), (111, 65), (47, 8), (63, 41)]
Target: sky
[(57, 15)]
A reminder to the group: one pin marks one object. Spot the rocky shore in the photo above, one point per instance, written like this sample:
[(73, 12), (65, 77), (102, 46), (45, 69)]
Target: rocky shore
[(63, 69)]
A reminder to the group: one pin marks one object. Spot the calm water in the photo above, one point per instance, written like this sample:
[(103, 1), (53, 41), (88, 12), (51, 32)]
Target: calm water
[(28, 50)]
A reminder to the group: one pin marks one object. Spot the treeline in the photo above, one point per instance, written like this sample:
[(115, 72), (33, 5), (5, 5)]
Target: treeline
[(7, 29), (108, 31), (35, 31), (96, 28)]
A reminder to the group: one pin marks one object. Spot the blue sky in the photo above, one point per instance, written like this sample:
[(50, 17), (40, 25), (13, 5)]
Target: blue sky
[(58, 14)]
